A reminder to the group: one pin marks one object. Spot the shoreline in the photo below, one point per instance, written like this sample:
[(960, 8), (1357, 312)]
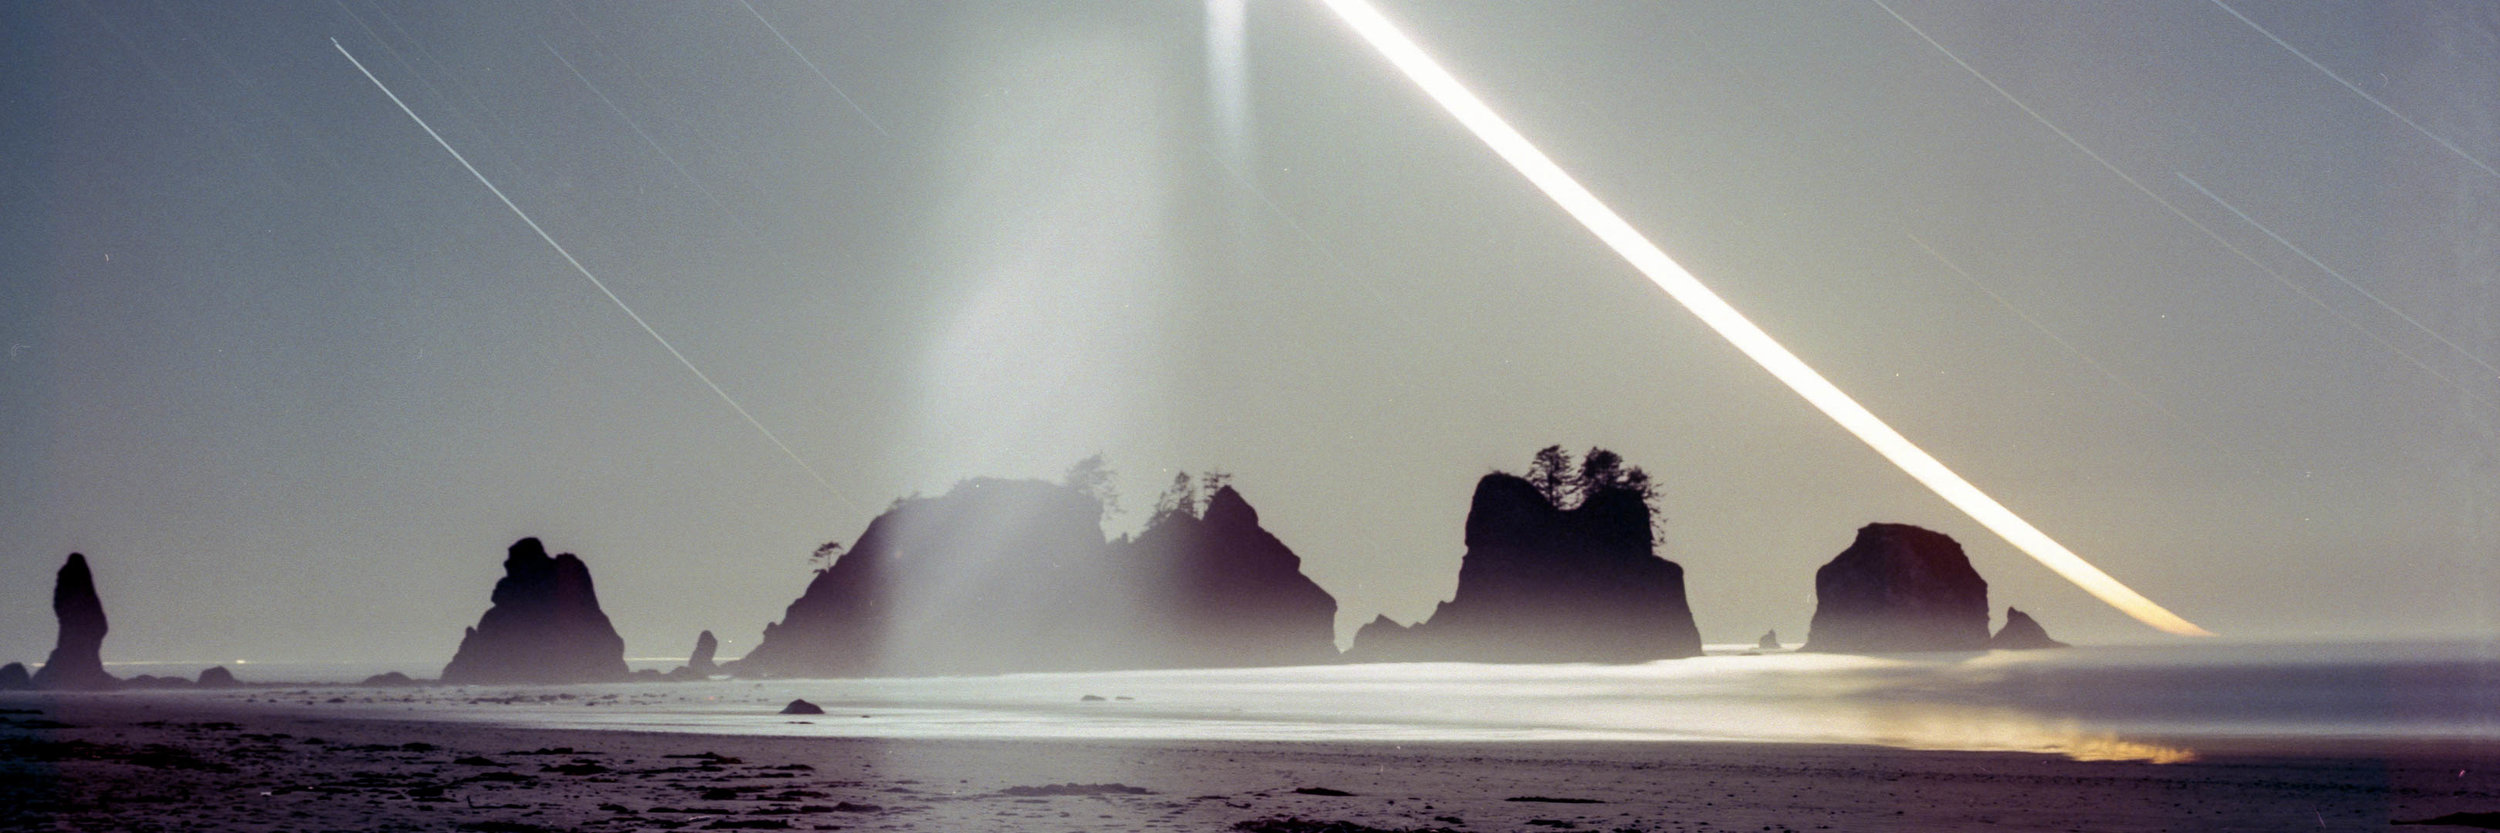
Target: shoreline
[(118, 761)]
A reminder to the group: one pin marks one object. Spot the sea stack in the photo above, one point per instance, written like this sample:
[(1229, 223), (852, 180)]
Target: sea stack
[(1232, 593), (995, 576), (1899, 588), (77, 660), (1545, 583), (13, 677), (1004, 576), (699, 665), (2022, 634), (545, 626)]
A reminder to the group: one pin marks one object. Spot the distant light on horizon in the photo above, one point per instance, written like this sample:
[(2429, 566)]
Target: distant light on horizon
[(1410, 59)]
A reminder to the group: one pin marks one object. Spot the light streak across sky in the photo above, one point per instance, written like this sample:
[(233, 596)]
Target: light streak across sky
[(594, 279), (2356, 90), (2339, 276), (2173, 208), (1436, 82), (812, 67)]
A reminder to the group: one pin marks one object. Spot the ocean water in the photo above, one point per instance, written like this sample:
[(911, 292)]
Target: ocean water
[(2154, 703)]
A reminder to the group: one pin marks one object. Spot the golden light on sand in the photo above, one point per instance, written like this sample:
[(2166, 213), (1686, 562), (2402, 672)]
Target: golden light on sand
[(1679, 284)]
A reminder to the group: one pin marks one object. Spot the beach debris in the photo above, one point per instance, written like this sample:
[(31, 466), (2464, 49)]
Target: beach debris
[(575, 768), (802, 707), (504, 827), (1322, 791), (2486, 821), (1288, 824), (1539, 799), (1090, 698), (1075, 789)]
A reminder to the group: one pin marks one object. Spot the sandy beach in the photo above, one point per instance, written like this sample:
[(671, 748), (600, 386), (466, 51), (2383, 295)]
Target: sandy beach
[(170, 761)]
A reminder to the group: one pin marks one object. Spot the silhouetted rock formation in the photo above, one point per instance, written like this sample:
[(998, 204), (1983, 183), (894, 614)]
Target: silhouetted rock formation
[(217, 677), (699, 665), (1235, 595), (1770, 641), (802, 707), (13, 677), (1899, 588), (544, 627), (1545, 584), (388, 679), (2022, 634), (77, 660), (1014, 575)]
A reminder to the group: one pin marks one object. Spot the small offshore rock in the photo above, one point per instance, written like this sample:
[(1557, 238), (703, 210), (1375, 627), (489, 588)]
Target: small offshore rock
[(2022, 634), (802, 707)]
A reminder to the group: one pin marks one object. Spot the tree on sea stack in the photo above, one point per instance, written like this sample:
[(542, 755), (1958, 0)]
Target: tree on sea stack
[(1561, 566)]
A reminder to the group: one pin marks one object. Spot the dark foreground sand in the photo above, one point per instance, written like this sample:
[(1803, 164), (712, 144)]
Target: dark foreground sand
[(140, 763)]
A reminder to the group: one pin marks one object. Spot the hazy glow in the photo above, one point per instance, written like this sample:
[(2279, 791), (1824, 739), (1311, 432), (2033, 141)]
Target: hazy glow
[(1756, 344), (1228, 90)]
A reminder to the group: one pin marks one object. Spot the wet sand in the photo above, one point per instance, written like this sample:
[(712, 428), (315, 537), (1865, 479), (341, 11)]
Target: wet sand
[(142, 762)]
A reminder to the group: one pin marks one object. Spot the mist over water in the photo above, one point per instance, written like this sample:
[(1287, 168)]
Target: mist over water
[(2127, 703)]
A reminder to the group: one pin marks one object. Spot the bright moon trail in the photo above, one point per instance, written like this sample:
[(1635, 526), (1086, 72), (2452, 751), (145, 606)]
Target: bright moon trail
[(1679, 284), (594, 279)]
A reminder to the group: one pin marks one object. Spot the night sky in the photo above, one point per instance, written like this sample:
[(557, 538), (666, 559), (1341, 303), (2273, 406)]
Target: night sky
[(292, 378)]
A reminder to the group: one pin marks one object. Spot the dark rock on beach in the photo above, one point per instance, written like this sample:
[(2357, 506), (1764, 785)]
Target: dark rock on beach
[(1899, 588), (802, 707), (545, 626), (1544, 583), (77, 660), (2022, 634), (388, 679)]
